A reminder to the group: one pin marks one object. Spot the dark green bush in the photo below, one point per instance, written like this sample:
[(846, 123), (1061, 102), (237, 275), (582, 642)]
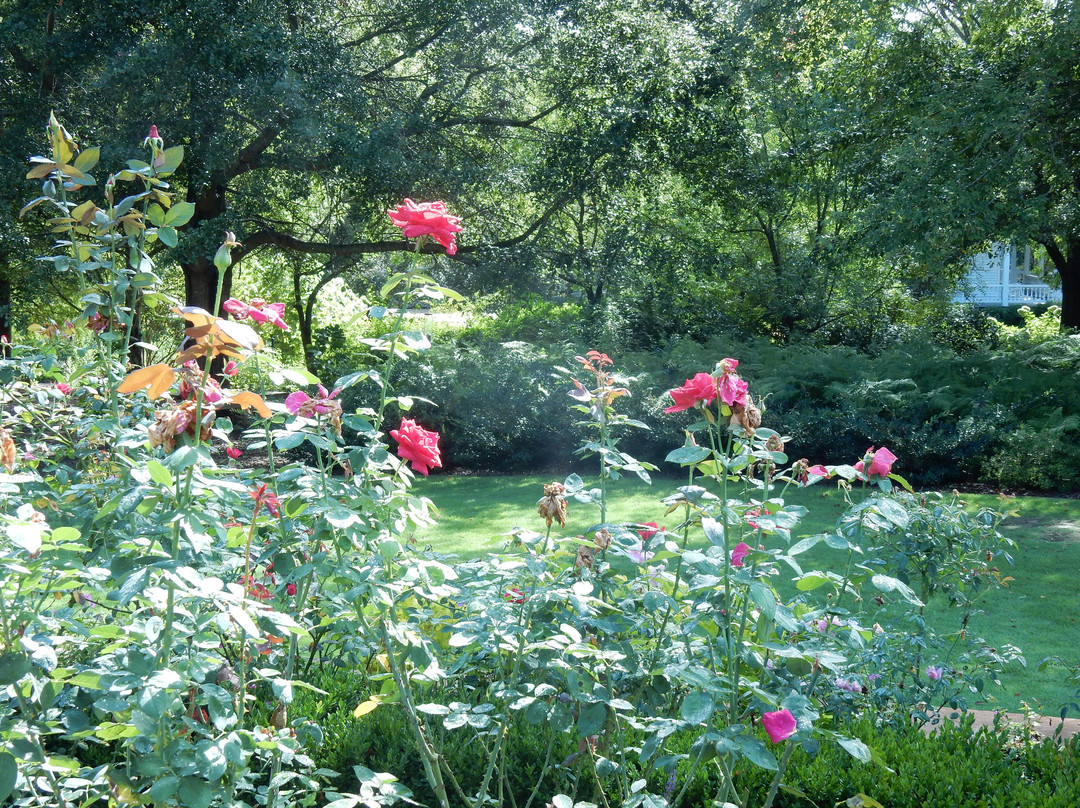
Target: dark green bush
[(954, 766)]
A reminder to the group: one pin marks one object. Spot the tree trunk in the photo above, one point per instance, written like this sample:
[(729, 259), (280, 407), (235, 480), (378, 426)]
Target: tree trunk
[(200, 275), (1067, 264)]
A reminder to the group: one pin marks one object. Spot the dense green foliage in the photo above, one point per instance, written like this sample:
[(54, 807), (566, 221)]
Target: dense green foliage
[(783, 169), (996, 405), (951, 766)]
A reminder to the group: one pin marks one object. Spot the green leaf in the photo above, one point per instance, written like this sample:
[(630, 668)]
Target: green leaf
[(697, 707), (168, 236), (688, 455), (591, 719), (159, 474), (289, 441), (179, 214), (133, 586), (174, 156), (9, 773), (87, 158), (812, 580), (65, 534), (196, 793), (856, 748), (13, 667), (756, 752), (887, 583)]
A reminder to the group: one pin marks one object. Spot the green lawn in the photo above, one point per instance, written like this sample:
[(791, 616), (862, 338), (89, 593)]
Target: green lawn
[(1038, 612)]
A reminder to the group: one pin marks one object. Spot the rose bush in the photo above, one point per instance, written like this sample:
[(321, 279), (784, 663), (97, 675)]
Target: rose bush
[(160, 611)]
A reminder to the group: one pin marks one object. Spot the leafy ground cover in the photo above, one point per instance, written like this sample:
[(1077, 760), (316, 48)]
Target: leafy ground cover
[(1036, 612)]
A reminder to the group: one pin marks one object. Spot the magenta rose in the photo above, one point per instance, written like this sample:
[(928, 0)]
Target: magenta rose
[(880, 462), (417, 445), (427, 219), (739, 553), (779, 725), (701, 388), (258, 310)]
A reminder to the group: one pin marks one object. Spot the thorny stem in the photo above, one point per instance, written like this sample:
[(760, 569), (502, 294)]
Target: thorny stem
[(428, 756)]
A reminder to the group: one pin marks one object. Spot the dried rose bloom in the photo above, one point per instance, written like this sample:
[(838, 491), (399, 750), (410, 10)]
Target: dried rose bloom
[(180, 419), (747, 416), (602, 539), (552, 506), (584, 557), (7, 450)]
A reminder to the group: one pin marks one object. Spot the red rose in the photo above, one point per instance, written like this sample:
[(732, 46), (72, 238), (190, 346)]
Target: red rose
[(417, 445), (427, 219), (700, 388)]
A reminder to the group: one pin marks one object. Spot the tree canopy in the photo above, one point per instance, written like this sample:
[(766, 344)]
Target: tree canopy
[(794, 164)]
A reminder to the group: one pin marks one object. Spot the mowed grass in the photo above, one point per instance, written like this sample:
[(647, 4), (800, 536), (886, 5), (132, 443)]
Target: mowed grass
[(1039, 611)]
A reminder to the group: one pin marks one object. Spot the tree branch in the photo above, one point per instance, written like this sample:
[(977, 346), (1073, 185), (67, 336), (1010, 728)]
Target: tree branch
[(251, 155)]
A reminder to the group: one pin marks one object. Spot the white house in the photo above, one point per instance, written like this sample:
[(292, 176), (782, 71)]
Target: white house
[(1002, 276)]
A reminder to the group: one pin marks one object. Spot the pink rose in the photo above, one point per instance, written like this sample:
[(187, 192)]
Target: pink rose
[(880, 462), (417, 445), (290, 589), (818, 471), (258, 310), (153, 132), (233, 452), (427, 219), (779, 725), (701, 388), (732, 389), (739, 553), (750, 514), (64, 388), (232, 367), (638, 554), (935, 672), (300, 403)]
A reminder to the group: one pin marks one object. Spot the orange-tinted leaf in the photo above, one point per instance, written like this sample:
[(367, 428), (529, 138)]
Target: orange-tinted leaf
[(195, 315), (239, 334), (248, 399), (198, 331), (43, 170), (158, 377)]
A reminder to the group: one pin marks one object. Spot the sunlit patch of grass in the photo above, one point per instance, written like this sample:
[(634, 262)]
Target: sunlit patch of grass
[(1038, 611)]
